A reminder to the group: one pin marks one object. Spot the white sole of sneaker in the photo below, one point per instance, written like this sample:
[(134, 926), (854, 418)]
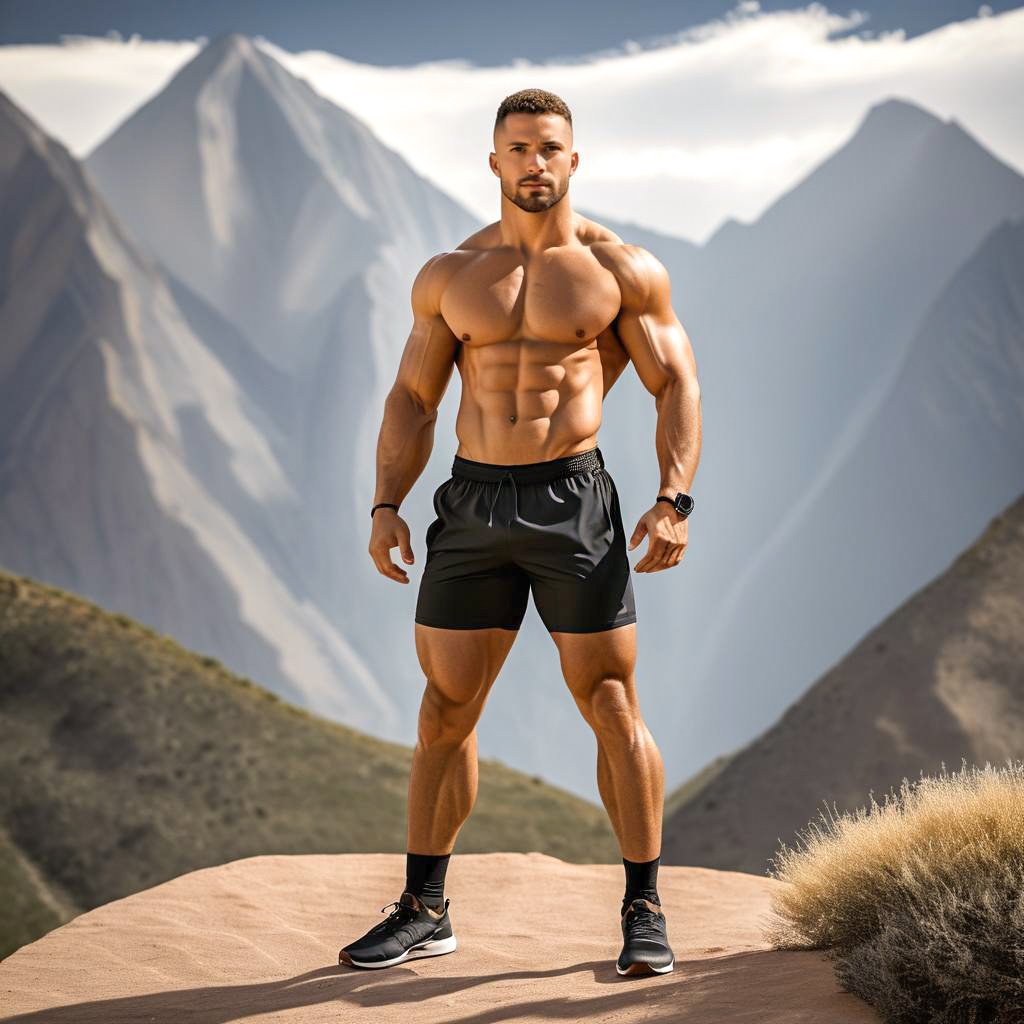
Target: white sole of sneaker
[(433, 947), (633, 969)]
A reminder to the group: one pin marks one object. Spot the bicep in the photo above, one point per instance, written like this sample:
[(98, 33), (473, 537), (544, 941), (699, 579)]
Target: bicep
[(427, 362), (650, 331), (429, 356)]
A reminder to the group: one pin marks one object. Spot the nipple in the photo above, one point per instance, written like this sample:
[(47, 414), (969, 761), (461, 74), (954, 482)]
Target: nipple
[(465, 337), (580, 332)]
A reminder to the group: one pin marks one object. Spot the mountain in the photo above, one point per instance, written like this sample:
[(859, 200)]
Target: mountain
[(294, 234), (939, 680), (126, 760), (941, 445), (267, 200), (802, 323), (290, 236), (113, 411)]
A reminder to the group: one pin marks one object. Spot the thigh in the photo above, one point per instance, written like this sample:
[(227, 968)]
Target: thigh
[(468, 580), (591, 661), (461, 664), (572, 546)]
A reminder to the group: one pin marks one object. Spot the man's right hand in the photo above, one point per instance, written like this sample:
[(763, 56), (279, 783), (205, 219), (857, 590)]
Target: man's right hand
[(390, 531)]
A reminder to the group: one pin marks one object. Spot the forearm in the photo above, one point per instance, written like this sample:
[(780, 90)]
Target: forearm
[(678, 434), (403, 447)]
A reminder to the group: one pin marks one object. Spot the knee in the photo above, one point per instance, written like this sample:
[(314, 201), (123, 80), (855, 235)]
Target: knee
[(610, 710), (443, 719)]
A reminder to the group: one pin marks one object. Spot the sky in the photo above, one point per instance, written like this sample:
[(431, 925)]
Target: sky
[(394, 32), (677, 130)]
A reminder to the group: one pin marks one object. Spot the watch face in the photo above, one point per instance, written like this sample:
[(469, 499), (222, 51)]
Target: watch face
[(684, 503)]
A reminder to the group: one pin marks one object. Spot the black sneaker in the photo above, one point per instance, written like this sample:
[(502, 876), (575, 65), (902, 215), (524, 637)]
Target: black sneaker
[(412, 929), (645, 949)]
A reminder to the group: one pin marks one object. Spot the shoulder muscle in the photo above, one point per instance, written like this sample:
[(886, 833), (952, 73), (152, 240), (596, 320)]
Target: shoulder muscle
[(647, 324)]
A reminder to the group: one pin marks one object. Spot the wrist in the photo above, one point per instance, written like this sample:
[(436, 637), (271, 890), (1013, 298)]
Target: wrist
[(680, 501), (383, 504)]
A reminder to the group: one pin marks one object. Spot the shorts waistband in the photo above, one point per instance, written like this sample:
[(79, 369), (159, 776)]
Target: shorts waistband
[(529, 472)]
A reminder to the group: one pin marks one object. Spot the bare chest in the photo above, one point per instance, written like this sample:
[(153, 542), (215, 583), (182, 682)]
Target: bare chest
[(567, 298)]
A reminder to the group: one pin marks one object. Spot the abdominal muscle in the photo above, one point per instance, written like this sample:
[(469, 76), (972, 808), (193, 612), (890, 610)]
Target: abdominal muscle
[(528, 401)]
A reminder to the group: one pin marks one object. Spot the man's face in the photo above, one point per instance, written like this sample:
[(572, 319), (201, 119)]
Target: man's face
[(534, 159)]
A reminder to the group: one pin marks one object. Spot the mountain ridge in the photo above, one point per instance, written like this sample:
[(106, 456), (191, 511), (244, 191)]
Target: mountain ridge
[(99, 475), (128, 760), (939, 680)]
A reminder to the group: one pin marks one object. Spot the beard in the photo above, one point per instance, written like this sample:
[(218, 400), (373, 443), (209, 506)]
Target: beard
[(534, 202)]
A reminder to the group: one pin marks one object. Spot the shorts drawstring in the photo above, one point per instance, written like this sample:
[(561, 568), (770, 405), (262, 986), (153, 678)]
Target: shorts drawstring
[(505, 476), (532, 472)]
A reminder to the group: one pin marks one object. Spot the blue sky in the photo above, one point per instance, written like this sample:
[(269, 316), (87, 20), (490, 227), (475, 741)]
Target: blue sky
[(389, 32)]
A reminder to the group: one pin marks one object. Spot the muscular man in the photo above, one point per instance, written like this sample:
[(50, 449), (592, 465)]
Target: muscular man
[(540, 312)]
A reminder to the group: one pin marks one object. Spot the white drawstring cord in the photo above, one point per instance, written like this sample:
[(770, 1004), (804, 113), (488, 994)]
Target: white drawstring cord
[(505, 476)]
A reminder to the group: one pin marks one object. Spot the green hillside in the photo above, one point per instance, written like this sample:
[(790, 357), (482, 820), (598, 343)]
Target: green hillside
[(126, 760)]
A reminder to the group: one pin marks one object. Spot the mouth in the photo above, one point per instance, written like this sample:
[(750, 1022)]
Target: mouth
[(536, 184)]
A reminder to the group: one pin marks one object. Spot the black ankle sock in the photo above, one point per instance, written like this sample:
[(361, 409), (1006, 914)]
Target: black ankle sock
[(424, 877), (641, 880)]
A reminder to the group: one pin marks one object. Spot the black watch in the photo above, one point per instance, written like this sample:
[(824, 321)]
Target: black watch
[(682, 503)]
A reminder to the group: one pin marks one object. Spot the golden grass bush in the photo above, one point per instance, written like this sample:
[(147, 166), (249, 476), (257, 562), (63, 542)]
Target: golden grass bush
[(919, 902)]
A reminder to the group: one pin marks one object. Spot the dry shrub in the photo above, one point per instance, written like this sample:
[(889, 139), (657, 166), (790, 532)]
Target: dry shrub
[(919, 902)]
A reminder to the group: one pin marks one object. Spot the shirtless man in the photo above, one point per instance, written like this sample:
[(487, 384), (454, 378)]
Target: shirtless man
[(540, 311)]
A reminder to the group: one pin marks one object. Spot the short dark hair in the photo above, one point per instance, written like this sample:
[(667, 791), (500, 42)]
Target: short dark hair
[(533, 101)]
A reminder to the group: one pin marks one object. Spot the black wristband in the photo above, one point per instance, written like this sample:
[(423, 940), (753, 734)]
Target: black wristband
[(383, 504)]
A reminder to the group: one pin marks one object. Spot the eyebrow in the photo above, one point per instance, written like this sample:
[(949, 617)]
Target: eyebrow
[(526, 142)]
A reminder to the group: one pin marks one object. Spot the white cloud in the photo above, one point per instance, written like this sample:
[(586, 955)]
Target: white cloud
[(79, 90), (712, 122)]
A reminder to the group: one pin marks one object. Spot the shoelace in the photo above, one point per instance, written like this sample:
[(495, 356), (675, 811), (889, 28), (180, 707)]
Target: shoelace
[(643, 922), (396, 915)]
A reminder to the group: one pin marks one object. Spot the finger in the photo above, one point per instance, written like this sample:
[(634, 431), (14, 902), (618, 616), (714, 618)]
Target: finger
[(647, 561), (397, 573), (656, 557), (663, 563), (406, 547), (665, 556), (382, 559), (644, 563), (638, 534)]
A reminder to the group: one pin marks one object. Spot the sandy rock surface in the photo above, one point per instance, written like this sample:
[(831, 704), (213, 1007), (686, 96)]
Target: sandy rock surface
[(537, 941)]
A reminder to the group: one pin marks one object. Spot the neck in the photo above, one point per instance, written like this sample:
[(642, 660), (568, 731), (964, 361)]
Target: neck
[(535, 232)]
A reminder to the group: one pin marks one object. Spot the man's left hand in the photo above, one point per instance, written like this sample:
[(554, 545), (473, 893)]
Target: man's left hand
[(667, 531)]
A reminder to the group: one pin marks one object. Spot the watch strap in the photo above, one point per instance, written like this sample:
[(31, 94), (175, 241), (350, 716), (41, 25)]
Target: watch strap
[(673, 502), (383, 504)]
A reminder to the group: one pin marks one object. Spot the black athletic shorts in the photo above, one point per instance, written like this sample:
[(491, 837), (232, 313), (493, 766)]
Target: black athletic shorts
[(501, 531)]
